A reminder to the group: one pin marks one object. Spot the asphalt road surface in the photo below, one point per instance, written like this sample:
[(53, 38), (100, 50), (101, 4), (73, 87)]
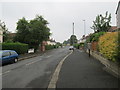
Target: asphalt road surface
[(80, 71), (34, 72)]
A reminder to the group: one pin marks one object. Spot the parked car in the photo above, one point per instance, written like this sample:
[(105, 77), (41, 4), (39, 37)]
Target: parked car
[(71, 48), (8, 56)]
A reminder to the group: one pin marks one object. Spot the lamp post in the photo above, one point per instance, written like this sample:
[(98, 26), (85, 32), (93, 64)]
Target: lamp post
[(73, 28), (84, 27), (73, 34)]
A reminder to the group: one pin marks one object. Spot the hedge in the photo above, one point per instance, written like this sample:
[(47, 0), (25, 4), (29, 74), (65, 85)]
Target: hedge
[(108, 45), (20, 48), (78, 45), (95, 36), (118, 54), (48, 47)]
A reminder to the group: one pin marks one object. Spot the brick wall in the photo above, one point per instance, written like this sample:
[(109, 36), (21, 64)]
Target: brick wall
[(94, 46)]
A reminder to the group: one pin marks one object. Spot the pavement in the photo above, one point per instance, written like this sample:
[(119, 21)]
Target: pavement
[(80, 71)]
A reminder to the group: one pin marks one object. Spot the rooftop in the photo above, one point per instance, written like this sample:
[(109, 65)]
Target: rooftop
[(118, 7)]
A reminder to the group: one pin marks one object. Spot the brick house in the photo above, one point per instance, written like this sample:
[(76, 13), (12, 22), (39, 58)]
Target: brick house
[(49, 42), (113, 29), (1, 35), (118, 15)]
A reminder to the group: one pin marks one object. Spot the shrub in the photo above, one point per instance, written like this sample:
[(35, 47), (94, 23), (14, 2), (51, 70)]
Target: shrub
[(78, 45), (108, 45), (95, 37), (48, 47), (20, 48), (118, 54)]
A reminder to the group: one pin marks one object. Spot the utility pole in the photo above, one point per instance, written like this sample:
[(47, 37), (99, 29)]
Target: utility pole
[(84, 27), (73, 33), (73, 28)]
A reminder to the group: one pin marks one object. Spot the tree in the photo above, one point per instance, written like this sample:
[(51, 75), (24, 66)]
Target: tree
[(4, 30), (33, 32), (73, 40), (102, 23), (23, 32), (66, 42), (39, 31)]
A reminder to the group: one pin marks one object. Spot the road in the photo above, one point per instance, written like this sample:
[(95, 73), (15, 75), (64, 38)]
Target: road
[(80, 71), (77, 71), (34, 72)]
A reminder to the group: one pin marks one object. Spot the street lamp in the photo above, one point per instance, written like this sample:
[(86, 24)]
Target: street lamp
[(73, 28), (73, 34), (84, 27)]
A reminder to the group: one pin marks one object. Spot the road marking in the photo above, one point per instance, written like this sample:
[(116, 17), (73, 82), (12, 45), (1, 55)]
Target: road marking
[(55, 75), (31, 63), (48, 56), (5, 72)]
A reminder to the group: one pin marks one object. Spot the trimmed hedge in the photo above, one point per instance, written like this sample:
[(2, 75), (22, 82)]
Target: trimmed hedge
[(95, 36), (118, 54), (78, 45), (20, 48), (49, 47), (108, 45)]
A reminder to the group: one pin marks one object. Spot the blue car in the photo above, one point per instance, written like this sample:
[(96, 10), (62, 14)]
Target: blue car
[(8, 56)]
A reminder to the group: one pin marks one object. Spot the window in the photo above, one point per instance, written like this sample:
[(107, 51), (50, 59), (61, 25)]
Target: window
[(5, 54), (13, 53)]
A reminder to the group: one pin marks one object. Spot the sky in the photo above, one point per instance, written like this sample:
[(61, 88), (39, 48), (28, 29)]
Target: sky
[(59, 13)]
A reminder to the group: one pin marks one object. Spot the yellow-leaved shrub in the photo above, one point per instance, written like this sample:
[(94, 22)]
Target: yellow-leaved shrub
[(108, 45)]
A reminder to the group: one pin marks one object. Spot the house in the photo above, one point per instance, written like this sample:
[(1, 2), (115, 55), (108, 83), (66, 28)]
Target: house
[(51, 42), (11, 36), (1, 35), (118, 15), (113, 29), (83, 39)]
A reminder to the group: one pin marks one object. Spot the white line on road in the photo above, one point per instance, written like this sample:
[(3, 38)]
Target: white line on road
[(55, 75), (48, 56), (5, 72), (31, 63)]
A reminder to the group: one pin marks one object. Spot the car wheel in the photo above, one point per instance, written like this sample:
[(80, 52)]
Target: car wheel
[(15, 60)]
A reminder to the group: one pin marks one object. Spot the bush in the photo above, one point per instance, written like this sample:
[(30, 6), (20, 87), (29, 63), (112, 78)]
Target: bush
[(78, 45), (95, 37), (108, 45), (49, 47), (20, 48), (118, 54)]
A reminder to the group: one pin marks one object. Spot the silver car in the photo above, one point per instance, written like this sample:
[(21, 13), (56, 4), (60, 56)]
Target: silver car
[(71, 48)]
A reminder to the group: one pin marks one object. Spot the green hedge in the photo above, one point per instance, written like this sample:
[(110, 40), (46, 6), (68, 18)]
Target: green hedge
[(108, 45), (48, 47), (78, 45), (95, 36), (20, 48)]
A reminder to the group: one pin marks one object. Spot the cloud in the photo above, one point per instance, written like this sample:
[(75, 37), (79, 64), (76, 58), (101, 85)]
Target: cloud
[(59, 0), (60, 15)]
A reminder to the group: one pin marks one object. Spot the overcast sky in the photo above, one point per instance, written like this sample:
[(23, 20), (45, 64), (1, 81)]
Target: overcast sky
[(59, 13)]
